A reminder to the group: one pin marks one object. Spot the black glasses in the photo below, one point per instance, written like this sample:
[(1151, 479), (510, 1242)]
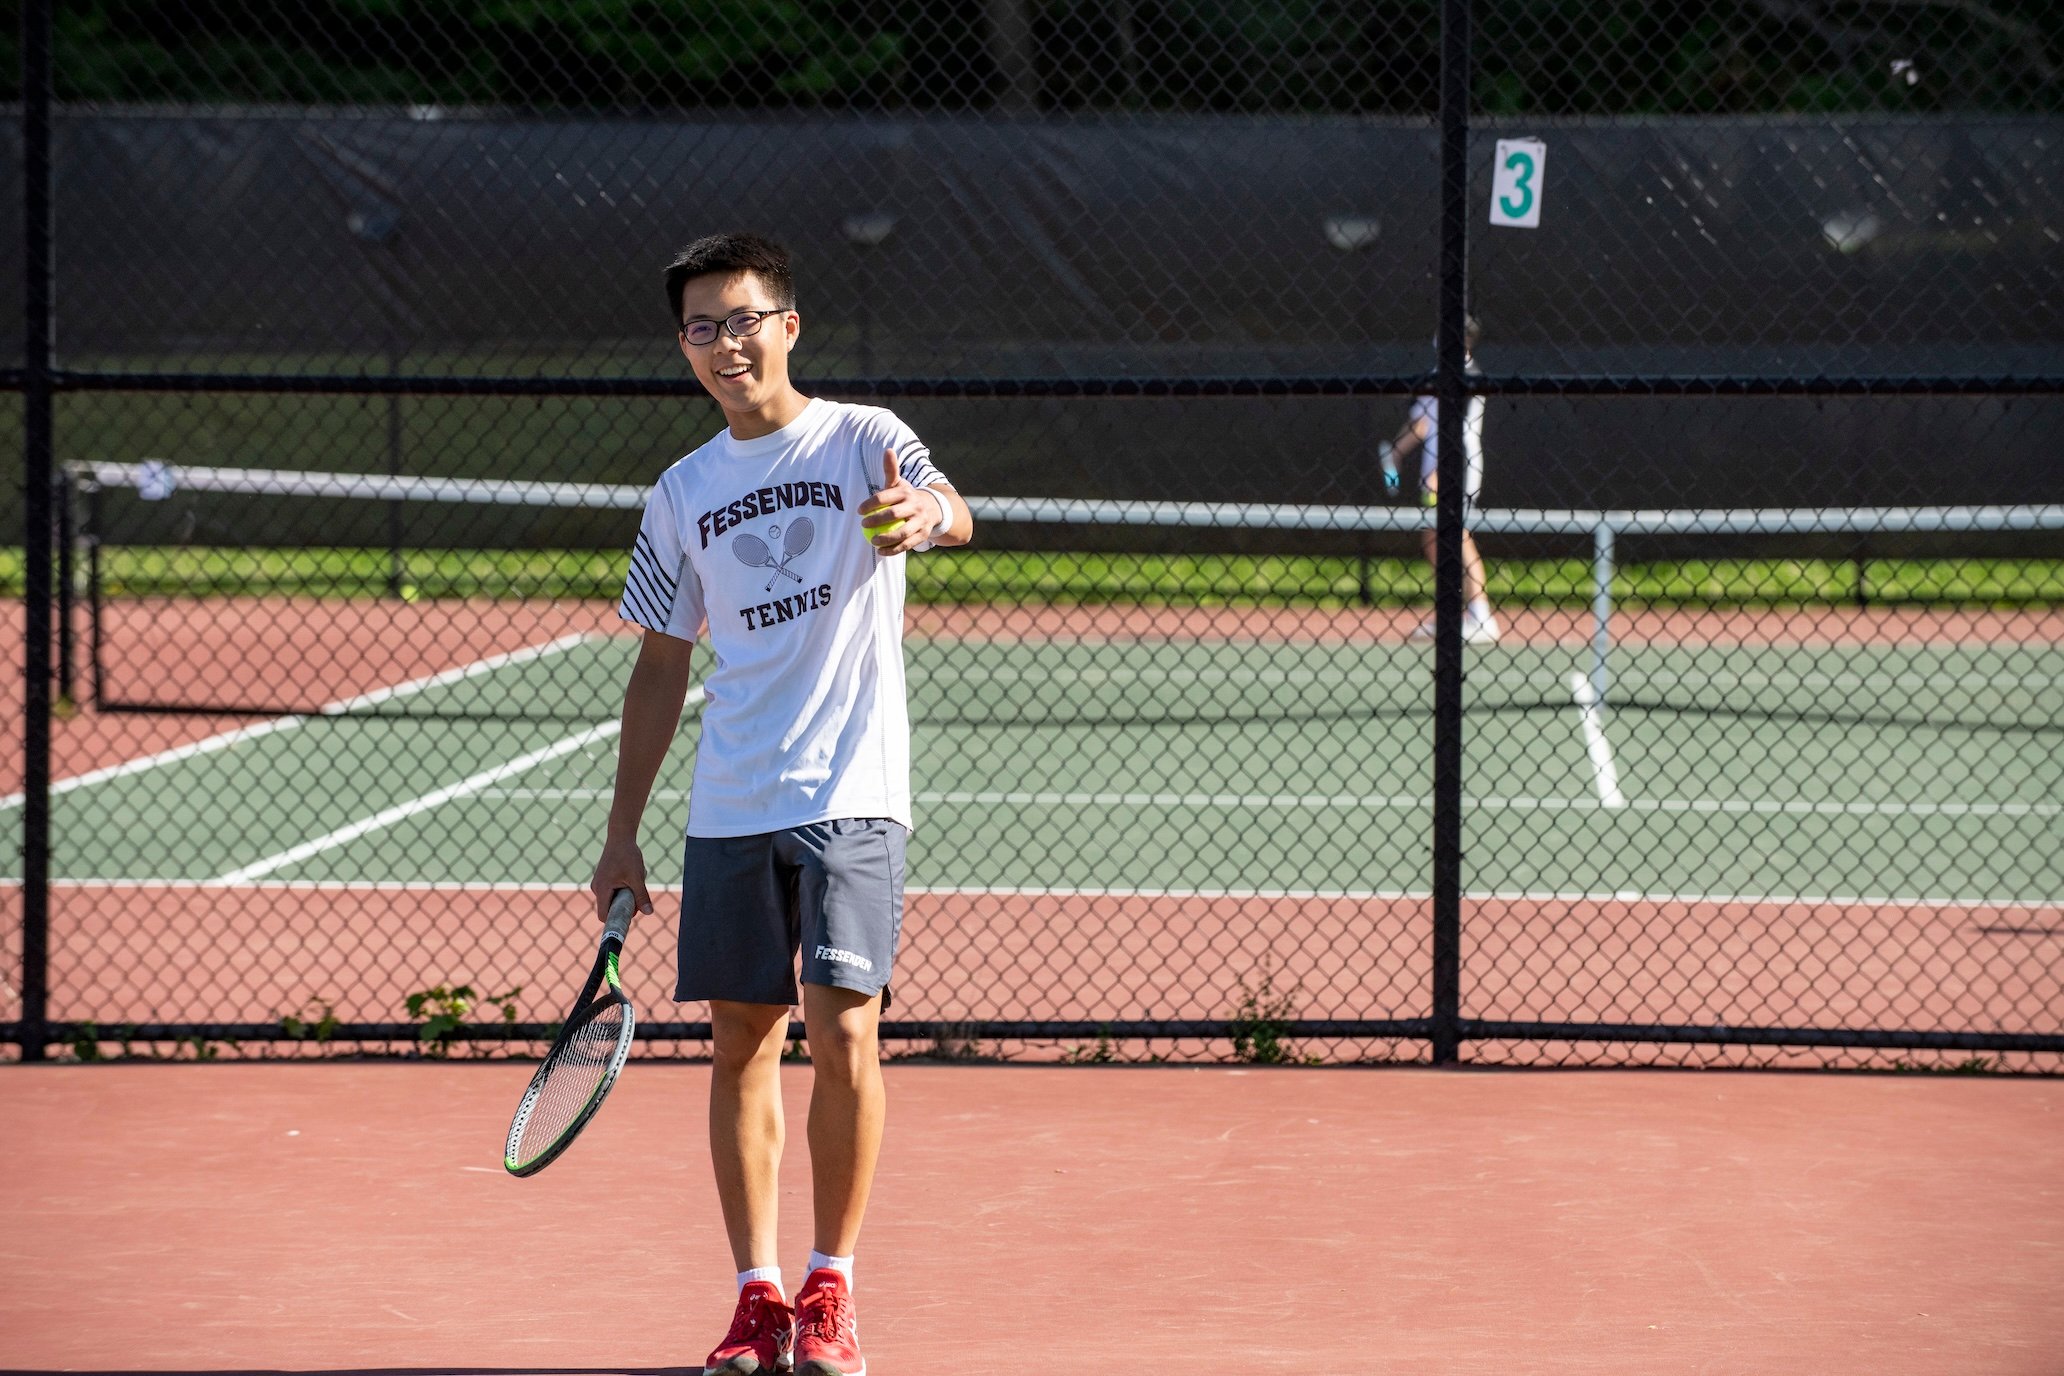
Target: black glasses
[(738, 326)]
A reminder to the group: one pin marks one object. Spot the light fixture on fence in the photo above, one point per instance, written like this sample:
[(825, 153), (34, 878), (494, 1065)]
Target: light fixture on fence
[(375, 225), (1349, 233), (867, 231), (1849, 230)]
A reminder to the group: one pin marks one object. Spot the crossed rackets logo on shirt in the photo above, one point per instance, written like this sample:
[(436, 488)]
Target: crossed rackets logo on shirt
[(752, 551)]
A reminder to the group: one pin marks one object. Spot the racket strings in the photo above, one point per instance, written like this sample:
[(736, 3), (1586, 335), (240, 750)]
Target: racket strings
[(569, 1080)]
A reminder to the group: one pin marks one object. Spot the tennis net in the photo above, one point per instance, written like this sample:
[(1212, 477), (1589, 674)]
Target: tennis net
[(254, 591)]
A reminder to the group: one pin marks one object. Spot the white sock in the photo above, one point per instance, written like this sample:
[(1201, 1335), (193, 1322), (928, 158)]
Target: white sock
[(1481, 609), (772, 1273), (842, 1265)]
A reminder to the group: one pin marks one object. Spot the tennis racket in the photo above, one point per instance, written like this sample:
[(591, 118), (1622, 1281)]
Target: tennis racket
[(797, 541), (752, 552), (584, 1060)]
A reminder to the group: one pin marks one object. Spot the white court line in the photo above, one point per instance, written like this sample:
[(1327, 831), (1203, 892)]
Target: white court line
[(1774, 808), (1095, 891), (1723, 678), (1769, 807), (1351, 673), (1346, 802), (387, 817), (658, 795), (1605, 775), (402, 811), (211, 744)]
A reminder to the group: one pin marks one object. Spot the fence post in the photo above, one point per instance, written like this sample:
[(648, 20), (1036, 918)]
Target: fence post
[(37, 455), (1450, 388)]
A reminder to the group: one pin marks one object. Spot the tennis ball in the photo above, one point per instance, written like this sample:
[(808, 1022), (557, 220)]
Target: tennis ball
[(409, 592), (868, 533)]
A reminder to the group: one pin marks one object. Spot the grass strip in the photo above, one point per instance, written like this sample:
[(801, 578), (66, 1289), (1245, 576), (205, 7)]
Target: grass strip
[(1010, 577)]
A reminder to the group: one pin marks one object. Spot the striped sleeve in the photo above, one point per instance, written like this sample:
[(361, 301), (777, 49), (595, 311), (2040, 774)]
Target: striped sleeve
[(913, 456), (661, 592)]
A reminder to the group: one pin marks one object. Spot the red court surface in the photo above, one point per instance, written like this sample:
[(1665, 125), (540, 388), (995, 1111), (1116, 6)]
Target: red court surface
[(353, 1217), (270, 949), (295, 653)]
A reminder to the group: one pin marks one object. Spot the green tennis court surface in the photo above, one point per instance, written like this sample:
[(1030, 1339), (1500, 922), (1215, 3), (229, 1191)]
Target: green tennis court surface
[(1929, 773)]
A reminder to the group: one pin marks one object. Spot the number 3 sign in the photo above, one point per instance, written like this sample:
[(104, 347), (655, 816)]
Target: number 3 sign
[(1516, 183)]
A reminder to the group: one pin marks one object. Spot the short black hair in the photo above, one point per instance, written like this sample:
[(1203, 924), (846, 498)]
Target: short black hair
[(730, 255)]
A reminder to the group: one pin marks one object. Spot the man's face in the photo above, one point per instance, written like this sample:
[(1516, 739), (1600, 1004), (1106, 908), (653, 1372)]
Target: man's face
[(742, 374)]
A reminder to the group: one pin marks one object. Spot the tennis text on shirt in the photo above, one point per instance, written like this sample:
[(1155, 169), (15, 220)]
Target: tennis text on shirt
[(782, 609)]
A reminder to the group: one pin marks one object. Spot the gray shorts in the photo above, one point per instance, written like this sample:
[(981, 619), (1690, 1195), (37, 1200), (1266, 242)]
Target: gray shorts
[(833, 889)]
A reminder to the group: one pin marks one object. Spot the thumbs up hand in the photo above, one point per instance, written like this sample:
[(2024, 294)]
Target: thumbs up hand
[(898, 517)]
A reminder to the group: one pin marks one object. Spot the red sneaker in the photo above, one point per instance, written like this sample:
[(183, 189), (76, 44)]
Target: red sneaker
[(827, 1341), (762, 1336)]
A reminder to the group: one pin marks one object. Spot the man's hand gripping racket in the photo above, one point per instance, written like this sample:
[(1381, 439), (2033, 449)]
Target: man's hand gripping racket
[(584, 1061)]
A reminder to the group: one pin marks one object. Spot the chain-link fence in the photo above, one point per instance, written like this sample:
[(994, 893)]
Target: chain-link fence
[(1701, 701)]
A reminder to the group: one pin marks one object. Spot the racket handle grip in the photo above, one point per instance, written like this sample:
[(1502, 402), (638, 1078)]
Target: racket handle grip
[(623, 905)]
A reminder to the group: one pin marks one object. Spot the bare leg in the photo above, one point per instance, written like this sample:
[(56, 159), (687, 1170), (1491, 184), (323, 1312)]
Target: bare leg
[(1472, 562), (1472, 570), (745, 1124), (847, 1105)]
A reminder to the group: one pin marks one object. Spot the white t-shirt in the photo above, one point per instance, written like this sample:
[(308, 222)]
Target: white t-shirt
[(805, 718), (1428, 409)]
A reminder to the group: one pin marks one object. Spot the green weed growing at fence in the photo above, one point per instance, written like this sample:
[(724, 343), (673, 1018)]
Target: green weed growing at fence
[(1260, 1025), (1102, 1052), (318, 1026), (442, 1011)]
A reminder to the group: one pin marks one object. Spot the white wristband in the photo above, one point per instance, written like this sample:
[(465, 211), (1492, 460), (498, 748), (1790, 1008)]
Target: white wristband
[(945, 513)]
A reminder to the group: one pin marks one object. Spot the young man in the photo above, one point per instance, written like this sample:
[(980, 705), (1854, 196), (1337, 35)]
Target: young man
[(1422, 432), (780, 535)]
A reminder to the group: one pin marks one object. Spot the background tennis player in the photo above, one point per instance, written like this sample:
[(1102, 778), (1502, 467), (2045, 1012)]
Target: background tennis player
[(1422, 432), (780, 535)]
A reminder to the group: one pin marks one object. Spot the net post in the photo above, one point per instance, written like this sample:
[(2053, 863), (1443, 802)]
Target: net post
[(1601, 608), (1451, 390), (38, 451), (95, 511), (397, 564)]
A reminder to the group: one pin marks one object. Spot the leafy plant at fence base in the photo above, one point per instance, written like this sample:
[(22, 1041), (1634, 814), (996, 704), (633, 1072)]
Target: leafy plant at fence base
[(84, 1043), (1103, 1052), (1970, 1065), (955, 1042), (203, 1049), (86, 1039), (442, 1012), (947, 1041), (319, 1026), (1260, 1025)]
